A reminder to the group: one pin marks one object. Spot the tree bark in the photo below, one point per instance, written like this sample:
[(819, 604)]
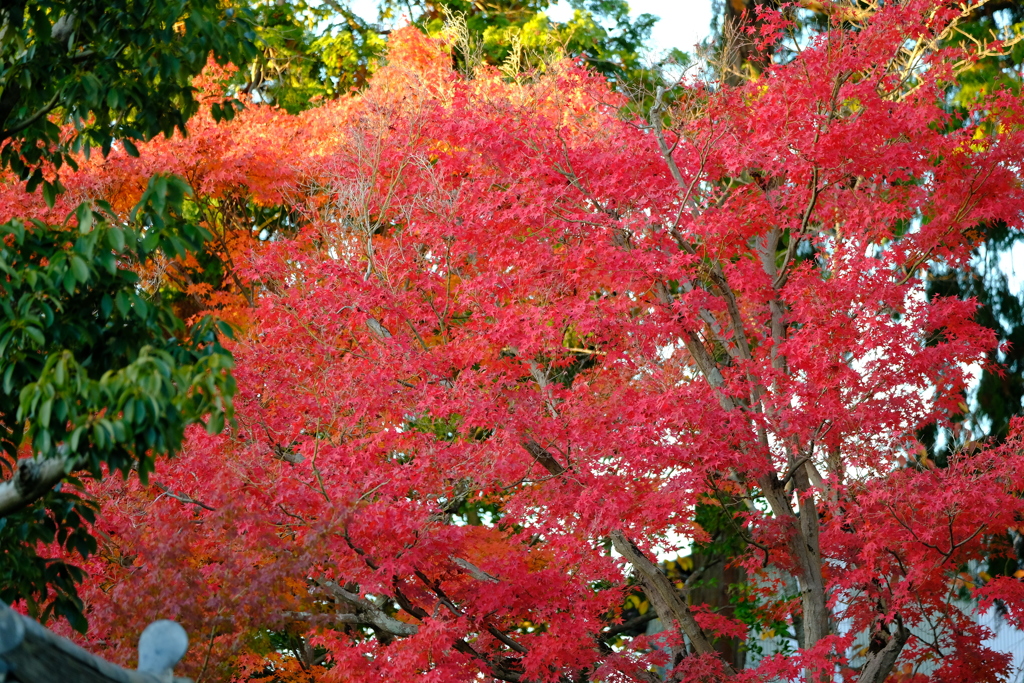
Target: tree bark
[(31, 481), (666, 600), (741, 58)]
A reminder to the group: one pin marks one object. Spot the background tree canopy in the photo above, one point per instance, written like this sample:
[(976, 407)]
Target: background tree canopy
[(312, 51)]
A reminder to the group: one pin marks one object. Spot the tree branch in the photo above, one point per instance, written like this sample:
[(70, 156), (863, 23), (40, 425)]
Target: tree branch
[(626, 626), (497, 669), (880, 664), (366, 612), (474, 571), (543, 457), (184, 498), (33, 479), (22, 125), (666, 600)]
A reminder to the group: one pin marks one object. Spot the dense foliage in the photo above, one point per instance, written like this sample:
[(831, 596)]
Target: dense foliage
[(501, 346)]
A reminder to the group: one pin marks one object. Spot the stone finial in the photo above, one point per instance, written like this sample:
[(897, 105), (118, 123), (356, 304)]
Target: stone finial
[(161, 646), (12, 630)]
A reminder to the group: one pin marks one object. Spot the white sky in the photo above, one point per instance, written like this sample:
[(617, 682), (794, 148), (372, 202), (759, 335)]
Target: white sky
[(682, 24)]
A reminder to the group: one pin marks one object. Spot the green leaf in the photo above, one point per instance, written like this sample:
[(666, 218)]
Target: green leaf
[(43, 441), (43, 417), (141, 308), (36, 335), (106, 306), (225, 329), (49, 193), (9, 378), (215, 425), (33, 182), (121, 300), (79, 268), (84, 213), (158, 193), (76, 436), (115, 237), (106, 261), (99, 436)]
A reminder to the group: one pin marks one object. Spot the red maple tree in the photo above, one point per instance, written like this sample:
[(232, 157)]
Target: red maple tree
[(510, 340)]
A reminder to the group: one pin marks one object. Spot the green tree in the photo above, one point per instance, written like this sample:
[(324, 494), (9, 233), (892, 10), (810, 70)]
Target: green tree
[(309, 52), (96, 375), (113, 69)]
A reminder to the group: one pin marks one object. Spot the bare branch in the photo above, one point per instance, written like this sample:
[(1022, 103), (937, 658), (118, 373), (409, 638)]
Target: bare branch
[(543, 457), (365, 612), (663, 595), (184, 498), (474, 571), (32, 479)]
